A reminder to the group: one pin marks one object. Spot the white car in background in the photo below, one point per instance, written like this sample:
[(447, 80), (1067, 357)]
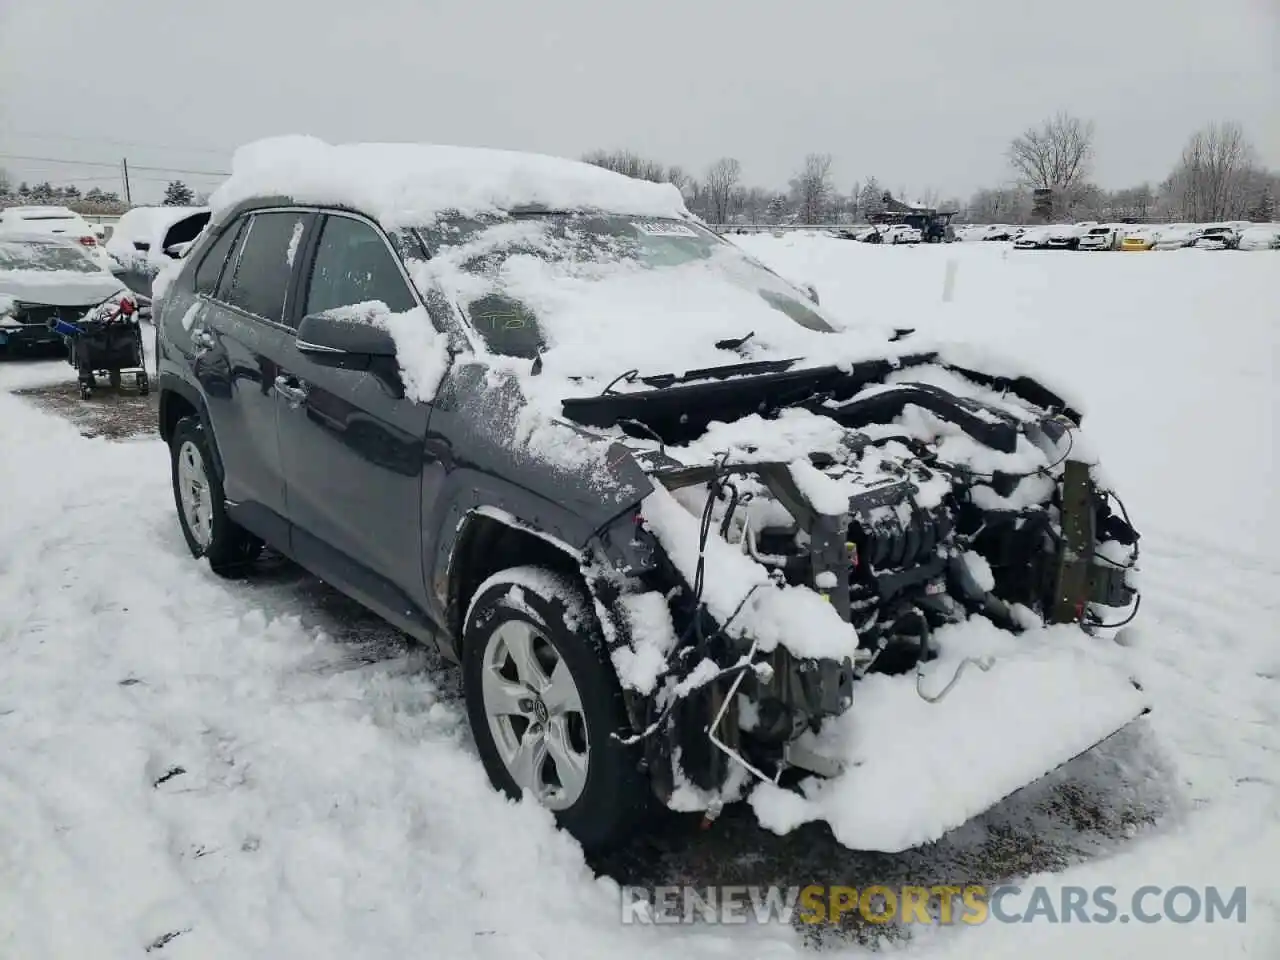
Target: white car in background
[(998, 232), (902, 233), (45, 278), (147, 238), (1105, 236), (53, 221), (1033, 238), (1264, 236), (1067, 236), (1178, 235)]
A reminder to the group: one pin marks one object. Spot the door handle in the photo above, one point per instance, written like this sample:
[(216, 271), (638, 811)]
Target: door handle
[(202, 339), (291, 389)]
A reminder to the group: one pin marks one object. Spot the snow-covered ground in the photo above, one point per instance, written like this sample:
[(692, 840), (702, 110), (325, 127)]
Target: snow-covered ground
[(329, 804)]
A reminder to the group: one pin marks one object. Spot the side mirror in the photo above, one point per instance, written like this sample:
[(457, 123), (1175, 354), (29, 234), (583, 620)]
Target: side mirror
[(349, 344), (177, 250)]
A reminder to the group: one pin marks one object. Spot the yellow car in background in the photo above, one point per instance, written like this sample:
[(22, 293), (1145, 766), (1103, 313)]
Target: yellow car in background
[(1140, 239)]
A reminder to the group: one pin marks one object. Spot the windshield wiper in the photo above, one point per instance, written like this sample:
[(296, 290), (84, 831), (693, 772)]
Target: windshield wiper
[(706, 373), (719, 373)]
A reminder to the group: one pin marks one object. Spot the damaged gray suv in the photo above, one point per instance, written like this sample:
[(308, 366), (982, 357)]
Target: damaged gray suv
[(665, 516)]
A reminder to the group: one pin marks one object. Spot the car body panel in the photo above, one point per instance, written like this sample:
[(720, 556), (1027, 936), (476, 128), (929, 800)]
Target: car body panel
[(371, 446)]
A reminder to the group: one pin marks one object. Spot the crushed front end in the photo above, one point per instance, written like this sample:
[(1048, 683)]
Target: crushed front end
[(895, 517)]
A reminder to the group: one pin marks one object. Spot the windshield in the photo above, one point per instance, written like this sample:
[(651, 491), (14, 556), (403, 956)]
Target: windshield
[(519, 274), (34, 255)]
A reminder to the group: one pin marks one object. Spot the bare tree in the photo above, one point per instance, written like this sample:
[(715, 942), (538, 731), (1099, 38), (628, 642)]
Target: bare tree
[(927, 198), (1005, 205), (1055, 156), (676, 175), (6, 184), (871, 198), (812, 187), (753, 202), (629, 164), (722, 177), (1214, 174), (1133, 203)]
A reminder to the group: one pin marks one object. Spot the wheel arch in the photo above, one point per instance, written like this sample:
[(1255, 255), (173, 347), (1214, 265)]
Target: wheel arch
[(179, 399), (489, 540)]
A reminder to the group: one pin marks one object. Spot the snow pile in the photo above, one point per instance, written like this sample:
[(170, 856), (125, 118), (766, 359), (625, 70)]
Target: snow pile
[(914, 770), (1264, 237), (188, 767), (410, 185)]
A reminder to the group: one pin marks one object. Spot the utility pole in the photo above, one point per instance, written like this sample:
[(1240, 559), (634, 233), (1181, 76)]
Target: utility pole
[(124, 168)]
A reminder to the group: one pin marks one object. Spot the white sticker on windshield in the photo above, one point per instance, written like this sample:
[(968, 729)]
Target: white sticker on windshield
[(658, 229)]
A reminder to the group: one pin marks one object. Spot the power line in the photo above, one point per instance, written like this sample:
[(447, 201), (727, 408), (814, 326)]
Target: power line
[(118, 143), (114, 166)]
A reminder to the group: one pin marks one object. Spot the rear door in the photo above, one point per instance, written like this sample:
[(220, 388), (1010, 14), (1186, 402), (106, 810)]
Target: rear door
[(239, 338), (353, 451)]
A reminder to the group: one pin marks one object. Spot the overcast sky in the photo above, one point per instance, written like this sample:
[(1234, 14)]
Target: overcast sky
[(919, 93)]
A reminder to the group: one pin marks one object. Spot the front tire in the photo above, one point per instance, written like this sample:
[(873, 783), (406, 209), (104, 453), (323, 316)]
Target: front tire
[(544, 704), (202, 510)]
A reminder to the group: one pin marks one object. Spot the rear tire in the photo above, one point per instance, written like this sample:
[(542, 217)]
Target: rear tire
[(529, 627), (201, 505)]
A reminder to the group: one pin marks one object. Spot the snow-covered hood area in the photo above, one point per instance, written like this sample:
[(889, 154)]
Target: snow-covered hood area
[(57, 288), (601, 321), (404, 184)]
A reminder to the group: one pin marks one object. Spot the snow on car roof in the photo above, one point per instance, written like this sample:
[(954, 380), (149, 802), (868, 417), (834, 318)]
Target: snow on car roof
[(404, 184), (38, 210)]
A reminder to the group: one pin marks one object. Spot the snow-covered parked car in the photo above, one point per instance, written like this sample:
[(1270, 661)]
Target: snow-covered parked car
[(1178, 236), (1034, 238), (45, 278), (146, 239), (1260, 237), (683, 529), (902, 233), (1067, 236), (1102, 237), (998, 232), (53, 221), (1218, 237), (1139, 238)]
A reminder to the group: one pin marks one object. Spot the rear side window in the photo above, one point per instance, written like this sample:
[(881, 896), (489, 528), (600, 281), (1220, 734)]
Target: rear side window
[(353, 265), (210, 268), (260, 282)]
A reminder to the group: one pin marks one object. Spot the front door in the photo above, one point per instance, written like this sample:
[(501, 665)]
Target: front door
[(239, 340), (352, 451)]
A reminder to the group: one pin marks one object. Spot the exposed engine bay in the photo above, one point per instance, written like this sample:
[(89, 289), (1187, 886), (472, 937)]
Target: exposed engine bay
[(875, 490)]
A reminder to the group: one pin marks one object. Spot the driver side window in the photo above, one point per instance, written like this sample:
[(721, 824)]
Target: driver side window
[(352, 265)]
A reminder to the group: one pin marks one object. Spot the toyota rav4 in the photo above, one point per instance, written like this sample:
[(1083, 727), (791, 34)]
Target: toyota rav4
[(673, 519)]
